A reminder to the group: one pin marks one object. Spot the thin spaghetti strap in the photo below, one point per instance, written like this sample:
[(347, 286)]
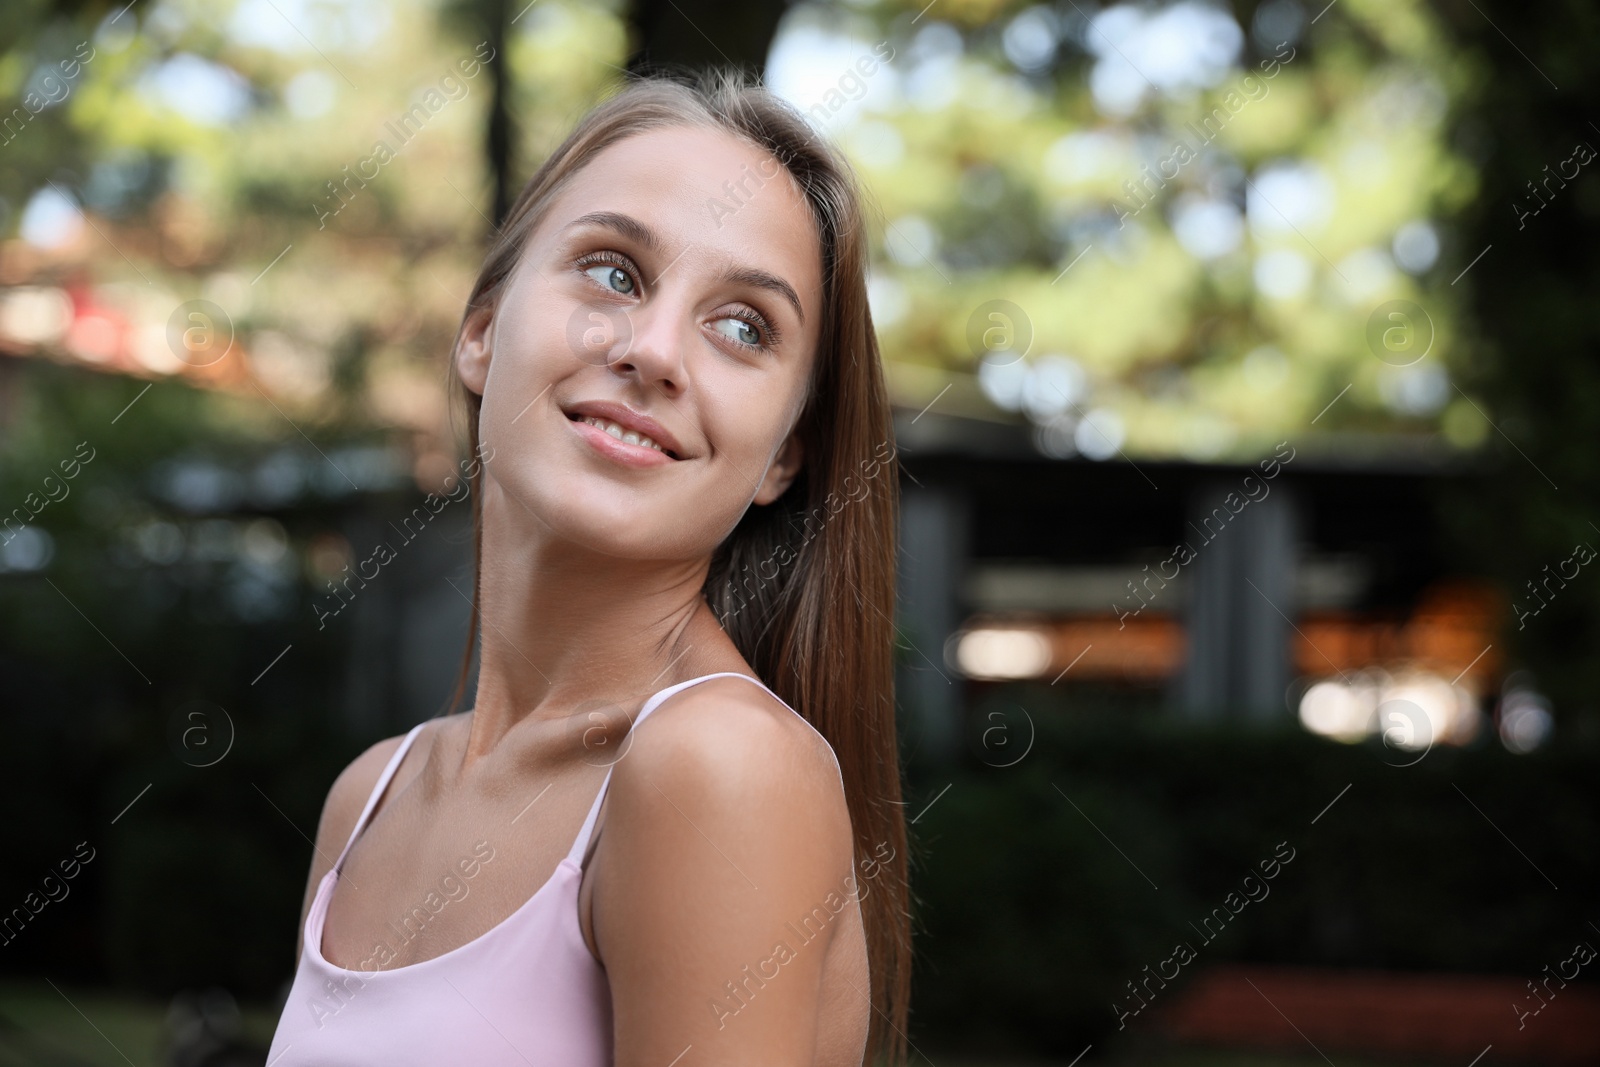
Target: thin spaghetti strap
[(377, 790), (581, 842)]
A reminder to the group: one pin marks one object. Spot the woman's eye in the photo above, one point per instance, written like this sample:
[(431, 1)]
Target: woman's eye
[(614, 278), (738, 330)]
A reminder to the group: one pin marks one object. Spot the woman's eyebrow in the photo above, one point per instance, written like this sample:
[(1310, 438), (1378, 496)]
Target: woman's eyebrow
[(771, 282), (643, 235), (626, 225)]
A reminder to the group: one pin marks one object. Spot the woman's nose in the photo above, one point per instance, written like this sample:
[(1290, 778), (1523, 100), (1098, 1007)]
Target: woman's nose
[(652, 347)]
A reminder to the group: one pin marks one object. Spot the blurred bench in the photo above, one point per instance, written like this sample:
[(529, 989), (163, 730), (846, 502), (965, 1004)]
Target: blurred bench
[(1450, 1018)]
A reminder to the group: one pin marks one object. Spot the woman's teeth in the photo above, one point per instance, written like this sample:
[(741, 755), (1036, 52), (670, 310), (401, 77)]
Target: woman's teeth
[(625, 436)]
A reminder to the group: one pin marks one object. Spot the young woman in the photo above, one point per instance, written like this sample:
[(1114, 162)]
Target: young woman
[(631, 850)]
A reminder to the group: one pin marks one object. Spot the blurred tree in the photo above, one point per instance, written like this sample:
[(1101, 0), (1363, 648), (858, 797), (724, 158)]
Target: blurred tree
[(489, 20), (672, 34), (1191, 213), (1530, 123)]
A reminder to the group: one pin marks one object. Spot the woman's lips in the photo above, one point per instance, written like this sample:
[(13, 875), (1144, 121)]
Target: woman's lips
[(629, 455)]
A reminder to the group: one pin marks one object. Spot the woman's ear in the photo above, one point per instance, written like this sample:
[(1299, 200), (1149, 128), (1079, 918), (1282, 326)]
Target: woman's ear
[(781, 471), (473, 351)]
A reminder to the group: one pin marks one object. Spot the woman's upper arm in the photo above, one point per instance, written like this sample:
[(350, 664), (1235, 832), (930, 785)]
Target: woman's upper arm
[(727, 865), (347, 796)]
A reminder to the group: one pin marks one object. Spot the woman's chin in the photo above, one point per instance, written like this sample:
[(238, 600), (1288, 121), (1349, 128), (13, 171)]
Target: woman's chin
[(589, 518)]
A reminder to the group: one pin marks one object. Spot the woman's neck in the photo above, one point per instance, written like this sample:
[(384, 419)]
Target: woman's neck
[(560, 625)]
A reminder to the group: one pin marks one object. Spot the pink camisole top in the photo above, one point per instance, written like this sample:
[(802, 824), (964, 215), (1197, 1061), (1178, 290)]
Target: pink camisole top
[(527, 993)]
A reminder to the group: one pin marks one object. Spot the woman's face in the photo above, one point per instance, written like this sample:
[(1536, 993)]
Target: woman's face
[(671, 290)]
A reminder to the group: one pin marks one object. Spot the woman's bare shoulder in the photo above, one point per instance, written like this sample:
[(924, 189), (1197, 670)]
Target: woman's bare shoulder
[(728, 821), (350, 790), (737, 754), (740, 709), (346, 797), (727, 726)]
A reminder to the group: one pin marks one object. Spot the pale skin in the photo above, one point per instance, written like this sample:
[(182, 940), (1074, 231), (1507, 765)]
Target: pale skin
[(725, 818)]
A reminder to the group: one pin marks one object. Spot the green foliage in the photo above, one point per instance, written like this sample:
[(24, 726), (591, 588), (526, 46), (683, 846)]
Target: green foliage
[(1018, 185)]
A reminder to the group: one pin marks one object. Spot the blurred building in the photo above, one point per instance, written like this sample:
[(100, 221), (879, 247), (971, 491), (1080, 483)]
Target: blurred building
[(1301, 587)]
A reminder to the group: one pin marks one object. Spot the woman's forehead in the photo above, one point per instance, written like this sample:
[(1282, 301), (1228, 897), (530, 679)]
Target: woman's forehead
[(700, 188)]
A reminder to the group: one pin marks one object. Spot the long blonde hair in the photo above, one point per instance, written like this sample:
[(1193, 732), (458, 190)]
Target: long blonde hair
[(805, 586)]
